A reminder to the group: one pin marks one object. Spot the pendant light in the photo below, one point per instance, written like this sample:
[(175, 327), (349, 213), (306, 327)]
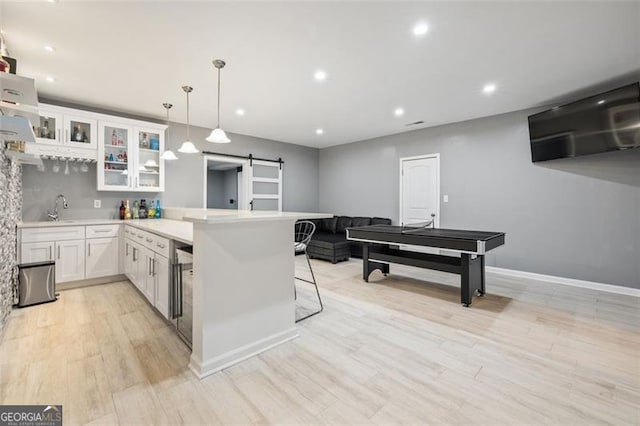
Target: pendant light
[(218, 135), (187, 146), (167, 154)]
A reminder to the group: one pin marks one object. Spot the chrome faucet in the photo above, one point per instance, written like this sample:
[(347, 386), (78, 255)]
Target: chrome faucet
[(53, 216)]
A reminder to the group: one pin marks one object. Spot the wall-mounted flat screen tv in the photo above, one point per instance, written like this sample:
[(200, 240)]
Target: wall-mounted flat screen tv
[(606, 122)]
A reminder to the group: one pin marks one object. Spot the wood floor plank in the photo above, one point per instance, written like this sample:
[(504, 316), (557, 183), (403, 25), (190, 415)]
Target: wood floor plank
[(398, 350)]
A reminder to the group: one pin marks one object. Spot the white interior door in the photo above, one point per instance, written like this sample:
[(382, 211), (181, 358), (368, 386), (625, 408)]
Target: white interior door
[(265, 185), (420, 193), (420, 189)]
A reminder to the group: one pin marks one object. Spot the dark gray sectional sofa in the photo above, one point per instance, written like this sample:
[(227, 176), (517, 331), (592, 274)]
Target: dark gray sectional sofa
[(330, 242)]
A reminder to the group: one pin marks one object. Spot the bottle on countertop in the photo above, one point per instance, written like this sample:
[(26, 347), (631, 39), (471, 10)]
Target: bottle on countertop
[(143, 209), (158, 213), (122, 210), (136, 210), (152, 210), (127, 210)]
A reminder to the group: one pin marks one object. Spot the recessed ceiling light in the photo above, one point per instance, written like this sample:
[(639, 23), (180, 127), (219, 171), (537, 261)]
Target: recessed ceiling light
[(489, 88), (420, 29), (398, 112), (320, 75), (50, 79), (52, 1), (319, 131), (601, 101), (49, 49), (240, 112)]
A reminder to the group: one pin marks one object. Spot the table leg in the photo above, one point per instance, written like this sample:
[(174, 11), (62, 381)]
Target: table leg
[(470, 277), (482, 275), (368, 266)]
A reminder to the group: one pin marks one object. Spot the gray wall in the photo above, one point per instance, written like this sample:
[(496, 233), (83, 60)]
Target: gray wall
[(300, 172), (183, 179), (230, 189), (577, 218), (215, 189)]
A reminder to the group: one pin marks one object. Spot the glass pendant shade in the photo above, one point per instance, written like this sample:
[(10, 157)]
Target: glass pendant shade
[(168, 155), (218, 136), (188, 148)]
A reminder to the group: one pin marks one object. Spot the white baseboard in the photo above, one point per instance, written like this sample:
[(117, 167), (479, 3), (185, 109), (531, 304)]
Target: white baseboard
[(205, 368), (609, 288)]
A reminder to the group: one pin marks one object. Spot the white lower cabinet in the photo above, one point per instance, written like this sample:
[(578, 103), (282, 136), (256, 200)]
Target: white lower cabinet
[(77, 251), (162, 274), (102, 257), (147, 269), (70, 260), (36, 252)]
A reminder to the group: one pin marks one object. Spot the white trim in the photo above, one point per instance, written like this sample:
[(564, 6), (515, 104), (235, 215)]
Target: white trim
[(422, 157), (203, 369), (609, 288)]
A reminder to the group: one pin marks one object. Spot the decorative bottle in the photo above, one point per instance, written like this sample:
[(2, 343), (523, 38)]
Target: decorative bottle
[(122, 214), (127, 210), (158, 213), (136, 210), (152, 211), (114, 138), (143, 209)]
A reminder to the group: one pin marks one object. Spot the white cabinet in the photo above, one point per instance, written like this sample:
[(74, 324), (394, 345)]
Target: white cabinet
[(115, 153), (77, 258), (129, 156), (162, 274), (70, 260), (102, 257), (36, 252), (148, 267), (65, 126)]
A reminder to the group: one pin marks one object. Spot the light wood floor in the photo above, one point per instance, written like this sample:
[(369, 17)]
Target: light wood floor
[(396, 350)]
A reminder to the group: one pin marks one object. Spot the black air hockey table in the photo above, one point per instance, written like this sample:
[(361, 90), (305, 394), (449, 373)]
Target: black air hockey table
[(380, 248)]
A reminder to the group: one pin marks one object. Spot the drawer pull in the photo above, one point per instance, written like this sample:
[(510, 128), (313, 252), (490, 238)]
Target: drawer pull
[(140, 236), (149, 240), (102, 230), (161, 245)]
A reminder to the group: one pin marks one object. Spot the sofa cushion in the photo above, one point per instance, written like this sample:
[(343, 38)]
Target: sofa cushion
[(343, 223), (329, 225), (380, 221), (360, 221), (328, 237)]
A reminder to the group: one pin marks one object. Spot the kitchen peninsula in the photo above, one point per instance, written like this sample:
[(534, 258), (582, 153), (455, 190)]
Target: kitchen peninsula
[(243, 271), (243, 277)]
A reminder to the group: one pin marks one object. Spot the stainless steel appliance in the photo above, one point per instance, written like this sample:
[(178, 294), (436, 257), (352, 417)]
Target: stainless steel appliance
[(37, 283), (183, 293)]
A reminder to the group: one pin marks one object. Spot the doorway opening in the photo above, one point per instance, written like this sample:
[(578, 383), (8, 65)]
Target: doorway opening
[(224, 183)]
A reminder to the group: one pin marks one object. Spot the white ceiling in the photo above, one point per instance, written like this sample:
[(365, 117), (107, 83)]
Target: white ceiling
[(133, 56)]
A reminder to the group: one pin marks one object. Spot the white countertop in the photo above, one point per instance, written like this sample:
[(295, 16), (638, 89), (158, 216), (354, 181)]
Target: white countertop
[(173, 229), (221, 216), (72, 222)]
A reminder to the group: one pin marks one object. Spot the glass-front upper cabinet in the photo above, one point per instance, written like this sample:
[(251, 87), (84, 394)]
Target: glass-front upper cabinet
[(80, 131), (114, 157), (149, 165), (49, 130)]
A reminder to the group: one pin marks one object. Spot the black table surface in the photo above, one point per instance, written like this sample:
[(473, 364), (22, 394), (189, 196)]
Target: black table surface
[(453, 239), (459, 234)]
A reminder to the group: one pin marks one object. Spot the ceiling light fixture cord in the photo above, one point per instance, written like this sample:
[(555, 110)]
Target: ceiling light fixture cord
[(218, 125)]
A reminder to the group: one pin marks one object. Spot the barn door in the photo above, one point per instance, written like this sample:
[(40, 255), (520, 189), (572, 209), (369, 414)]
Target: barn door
[(265, 185)]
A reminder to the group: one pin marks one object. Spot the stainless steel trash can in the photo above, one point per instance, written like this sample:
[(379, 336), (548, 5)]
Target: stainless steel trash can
[(36, 283)]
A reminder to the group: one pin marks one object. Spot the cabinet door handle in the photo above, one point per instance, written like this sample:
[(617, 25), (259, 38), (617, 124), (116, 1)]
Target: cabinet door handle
[(149, 267), (50, 253), (58, 252), (153, 267), (89, 254), (134, 254), (126, 249), (66, 135), (59, 138)]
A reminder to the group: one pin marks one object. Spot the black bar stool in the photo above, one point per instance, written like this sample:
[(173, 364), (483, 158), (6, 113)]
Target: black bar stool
[(303, 232)]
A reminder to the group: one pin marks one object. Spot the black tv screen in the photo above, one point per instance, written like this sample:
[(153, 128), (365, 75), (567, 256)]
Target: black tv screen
[(609, 121)]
